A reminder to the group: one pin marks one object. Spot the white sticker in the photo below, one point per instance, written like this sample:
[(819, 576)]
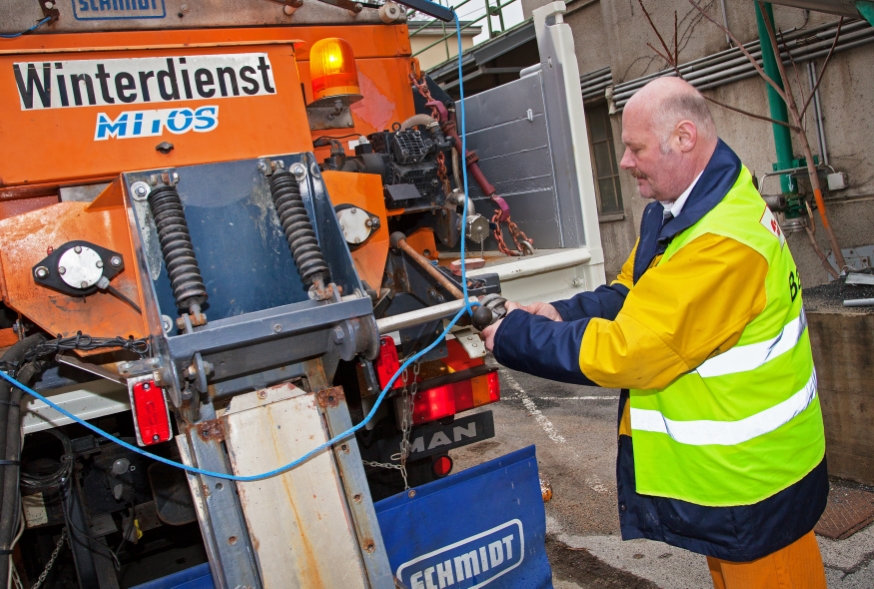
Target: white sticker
[(34, 510), (147, 80), (770, 223)]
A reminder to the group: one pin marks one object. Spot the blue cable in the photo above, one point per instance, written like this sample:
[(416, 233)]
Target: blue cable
[(30, 30), (291, 465)]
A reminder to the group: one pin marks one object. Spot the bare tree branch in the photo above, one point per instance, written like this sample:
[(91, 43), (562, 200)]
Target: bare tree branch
[(751, 114), (671, 63), (743, 50), (824, 65), (795, 68)]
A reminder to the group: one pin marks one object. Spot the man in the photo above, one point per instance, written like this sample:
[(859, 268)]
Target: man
[(721, 445)]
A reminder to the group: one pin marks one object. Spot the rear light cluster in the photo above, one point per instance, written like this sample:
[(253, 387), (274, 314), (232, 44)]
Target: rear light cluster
[(449, 399), (445, 400)]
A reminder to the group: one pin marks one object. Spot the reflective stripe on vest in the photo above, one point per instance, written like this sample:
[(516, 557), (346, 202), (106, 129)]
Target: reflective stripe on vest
[(752, 356), (726, 433)]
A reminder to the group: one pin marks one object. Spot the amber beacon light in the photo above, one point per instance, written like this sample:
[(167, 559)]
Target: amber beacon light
[(333, 72)]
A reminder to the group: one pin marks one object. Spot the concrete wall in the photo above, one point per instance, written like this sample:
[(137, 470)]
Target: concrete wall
[(616, 33)]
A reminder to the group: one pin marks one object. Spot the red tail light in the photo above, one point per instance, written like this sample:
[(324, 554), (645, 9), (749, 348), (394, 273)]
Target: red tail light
[(150, 412), (446, 400), (442, 466)]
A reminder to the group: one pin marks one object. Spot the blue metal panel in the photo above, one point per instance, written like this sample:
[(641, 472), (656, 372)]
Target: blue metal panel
[(484, 526), (197, 577)]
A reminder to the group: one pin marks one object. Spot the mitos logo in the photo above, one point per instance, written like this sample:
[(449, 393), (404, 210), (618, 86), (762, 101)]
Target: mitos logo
[(471, 563), (151, 123)]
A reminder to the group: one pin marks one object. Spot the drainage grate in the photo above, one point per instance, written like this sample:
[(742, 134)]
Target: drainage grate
[(848, 510)]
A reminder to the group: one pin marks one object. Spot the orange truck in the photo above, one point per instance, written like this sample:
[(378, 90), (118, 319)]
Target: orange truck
[(223, 228)]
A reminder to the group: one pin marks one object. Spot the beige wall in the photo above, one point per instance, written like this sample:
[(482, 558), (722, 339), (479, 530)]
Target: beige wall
[(441, 52)]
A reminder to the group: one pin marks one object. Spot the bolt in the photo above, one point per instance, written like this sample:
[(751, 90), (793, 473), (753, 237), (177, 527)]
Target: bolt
[(262, 167), (277, 328), (42, 272), (49, 5), (78, 249), (370, 547), (99, 263), (299, 170), (232, 540), (577, 282), (411, 493), (141, 190), (147, 387), (374, 221), (262, 394), (62, 270), (155, 438), (166, 323), (83, 284), (357, 497), (115, 261), (344, 448)]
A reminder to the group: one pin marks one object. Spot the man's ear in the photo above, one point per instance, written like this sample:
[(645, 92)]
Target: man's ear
[(687, 136)]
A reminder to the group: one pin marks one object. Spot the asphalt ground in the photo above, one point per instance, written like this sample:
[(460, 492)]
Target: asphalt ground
[(574, 430)]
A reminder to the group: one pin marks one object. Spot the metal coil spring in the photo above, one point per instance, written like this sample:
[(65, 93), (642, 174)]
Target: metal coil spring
[(298, 229), (185, 278)]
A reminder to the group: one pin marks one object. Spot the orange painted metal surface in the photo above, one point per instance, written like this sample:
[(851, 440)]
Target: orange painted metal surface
[(8, 337), (24, 241), (422, 240), (363, 191), (59, 144), (10, 208)]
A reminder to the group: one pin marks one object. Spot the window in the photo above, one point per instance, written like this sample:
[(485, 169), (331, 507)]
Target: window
[(604, 166)]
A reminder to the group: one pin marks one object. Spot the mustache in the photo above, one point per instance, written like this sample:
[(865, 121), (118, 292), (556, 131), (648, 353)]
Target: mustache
[(637, 174)]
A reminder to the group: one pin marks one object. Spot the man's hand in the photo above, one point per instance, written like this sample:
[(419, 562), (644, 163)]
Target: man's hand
[(538, 308), (489, 332), (544, 309)]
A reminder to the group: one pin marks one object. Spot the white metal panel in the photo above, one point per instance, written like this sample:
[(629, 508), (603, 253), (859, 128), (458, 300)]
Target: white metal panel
[(298, 522), (87, 401)]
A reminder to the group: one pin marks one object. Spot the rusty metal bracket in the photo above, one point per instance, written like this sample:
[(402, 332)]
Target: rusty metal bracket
[(49, 9), (330, 397), (210, 430)]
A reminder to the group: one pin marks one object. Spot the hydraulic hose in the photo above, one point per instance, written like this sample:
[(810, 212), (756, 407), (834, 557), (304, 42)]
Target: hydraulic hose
[(10, 439), (416, 120)]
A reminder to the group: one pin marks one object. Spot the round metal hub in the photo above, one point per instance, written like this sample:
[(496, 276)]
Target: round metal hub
[(80, 267)]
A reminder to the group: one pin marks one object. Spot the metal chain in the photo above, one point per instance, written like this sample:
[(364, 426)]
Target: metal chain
[(408, 402), (51, 562), (524, 244)]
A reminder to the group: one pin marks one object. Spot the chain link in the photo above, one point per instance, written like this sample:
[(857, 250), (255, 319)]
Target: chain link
[(51, 562), (408, 396), (524, 244)]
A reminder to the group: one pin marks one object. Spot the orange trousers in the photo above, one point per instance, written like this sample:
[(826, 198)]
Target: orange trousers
[(798, 566)]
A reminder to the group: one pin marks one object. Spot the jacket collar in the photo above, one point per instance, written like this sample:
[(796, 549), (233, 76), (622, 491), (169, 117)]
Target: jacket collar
[(716, 180)]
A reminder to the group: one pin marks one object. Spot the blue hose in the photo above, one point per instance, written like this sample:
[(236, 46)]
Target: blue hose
[(259, 477)]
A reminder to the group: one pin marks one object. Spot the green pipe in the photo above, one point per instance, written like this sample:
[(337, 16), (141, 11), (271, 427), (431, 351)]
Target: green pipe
[(782, 135), (866, 9)]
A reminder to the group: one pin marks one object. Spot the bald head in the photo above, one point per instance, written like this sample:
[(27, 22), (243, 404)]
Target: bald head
[(669, 101), (669, 136)]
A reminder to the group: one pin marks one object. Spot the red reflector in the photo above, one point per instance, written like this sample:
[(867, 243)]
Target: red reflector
[(450, 399), (387, 362), (442, 466), (150, 411)]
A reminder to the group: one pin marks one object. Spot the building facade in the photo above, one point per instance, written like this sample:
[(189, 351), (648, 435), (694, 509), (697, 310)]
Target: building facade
[(611, 41)]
